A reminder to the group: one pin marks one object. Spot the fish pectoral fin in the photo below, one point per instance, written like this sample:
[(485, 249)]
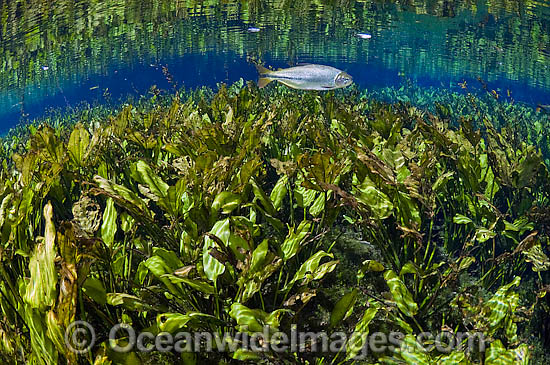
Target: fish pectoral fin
[(263, 81), (327, 87)]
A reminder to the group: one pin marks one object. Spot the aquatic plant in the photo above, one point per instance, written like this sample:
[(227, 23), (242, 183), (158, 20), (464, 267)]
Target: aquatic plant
[(228, 211)]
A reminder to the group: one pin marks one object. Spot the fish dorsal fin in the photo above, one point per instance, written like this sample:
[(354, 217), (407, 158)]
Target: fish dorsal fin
[(263, 81), (261, 69)]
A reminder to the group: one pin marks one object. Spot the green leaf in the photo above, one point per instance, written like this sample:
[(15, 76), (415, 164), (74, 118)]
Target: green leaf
[(318, 205), (497, 354), (94, 289), (308, 269), (461, 219), (291, 244), (145, 175), (128, 301), (109, 226), (248, 320), (454, 358), (227, 201), (212, 267), (41, 290), (359, 337), (195, 284), (262, 197), (501, 307), (378, 202), (245, 355), (537, 257), (483, 234), (401, 294), (412, 352), (125, 196), (158, 267), (343, 308), (78, 144), (258, 257), (278, 193), (369, 265), (175, 322)]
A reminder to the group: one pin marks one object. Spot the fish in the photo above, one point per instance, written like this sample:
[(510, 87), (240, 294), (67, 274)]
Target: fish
[(253, 29), (306, 77), (364, 35)]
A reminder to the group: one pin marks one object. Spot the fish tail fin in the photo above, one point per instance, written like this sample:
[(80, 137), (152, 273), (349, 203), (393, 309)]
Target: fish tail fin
[(261, 69), (263, 81), (264, 72)]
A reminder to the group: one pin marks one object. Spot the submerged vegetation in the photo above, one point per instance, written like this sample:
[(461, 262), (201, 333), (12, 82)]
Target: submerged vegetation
[(227, 211)]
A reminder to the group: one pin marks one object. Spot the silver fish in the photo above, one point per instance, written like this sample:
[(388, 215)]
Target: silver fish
[(306, 77)]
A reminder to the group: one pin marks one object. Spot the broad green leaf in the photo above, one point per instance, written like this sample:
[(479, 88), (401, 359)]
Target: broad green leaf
[(461, 219), (245, 355), (262, 197), (497, 354), (159, 268), (41, 291), (195, 284), (318, 205), (253, 320), (279, 191), (483, 234), (401, 294), (359, 336), (109, 226), (128, 301), (304, 196), (174, 322), (537, 257), (212, 267), (94, 289), (122, 193), (501, 307), (258, 256), (442, 180), (145, 175), (343, 308), (378, 202), (308, 269), (412, 352), (291, 244), (78, 144), (227, 201), (248, 320), (369, 265), (454, 358), (324, 269)]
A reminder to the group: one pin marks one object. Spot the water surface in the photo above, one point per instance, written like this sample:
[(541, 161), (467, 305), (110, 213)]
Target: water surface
[(62, 53)]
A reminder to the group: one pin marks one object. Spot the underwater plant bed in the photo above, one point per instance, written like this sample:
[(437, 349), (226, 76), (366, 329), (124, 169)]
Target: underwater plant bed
[(247, 210)]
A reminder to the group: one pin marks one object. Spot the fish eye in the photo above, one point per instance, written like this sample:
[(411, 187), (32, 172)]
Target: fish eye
[(343, 79)]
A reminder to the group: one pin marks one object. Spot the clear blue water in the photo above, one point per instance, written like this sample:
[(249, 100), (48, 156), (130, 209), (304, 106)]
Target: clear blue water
[(68, 53)]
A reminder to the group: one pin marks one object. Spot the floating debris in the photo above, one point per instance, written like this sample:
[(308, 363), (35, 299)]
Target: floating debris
[(94, 87), (364, 35), (253, 30)]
